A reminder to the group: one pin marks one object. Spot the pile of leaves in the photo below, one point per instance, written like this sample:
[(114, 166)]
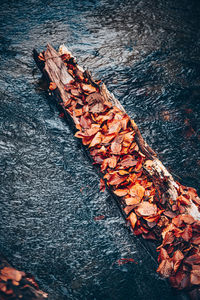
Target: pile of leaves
[(16, 284), (109, 134)]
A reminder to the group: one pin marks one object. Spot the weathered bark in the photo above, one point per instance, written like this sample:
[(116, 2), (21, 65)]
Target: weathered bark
[(16, 284)]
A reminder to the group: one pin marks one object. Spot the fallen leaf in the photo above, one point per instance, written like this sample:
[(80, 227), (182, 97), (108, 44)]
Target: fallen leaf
[(188, 219), (101, 217), (165, 268), (163, 255), (133, 219), (88, 88), (193, 259), (121, 192), (177, 259), (195, 277), (102, 185), (137, 191), (123, 261), (187, 233), (52, 86), (146, 209), (116, 179), (183, 200), (96, 140), (128, 161), (132, 201)]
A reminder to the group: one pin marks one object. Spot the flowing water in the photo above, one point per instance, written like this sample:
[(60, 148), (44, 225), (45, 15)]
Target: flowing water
[(147, 52)]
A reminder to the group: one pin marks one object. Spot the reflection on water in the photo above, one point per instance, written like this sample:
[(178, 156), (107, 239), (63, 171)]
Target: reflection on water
[(147, 52)]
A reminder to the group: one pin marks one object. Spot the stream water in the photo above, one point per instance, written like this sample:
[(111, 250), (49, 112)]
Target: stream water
[(147, 52)]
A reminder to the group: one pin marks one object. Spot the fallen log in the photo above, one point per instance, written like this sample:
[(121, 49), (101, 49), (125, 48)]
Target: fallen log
[(156, 206), (15, 284)]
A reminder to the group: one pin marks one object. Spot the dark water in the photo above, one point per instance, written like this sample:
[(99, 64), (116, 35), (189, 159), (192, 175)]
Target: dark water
[(148, 53)]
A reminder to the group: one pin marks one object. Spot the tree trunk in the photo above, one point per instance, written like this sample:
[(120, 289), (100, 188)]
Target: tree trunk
[(175, 202)]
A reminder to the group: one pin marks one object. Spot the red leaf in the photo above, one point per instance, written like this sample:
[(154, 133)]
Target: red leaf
[(195, 277), (188, 219), (102, 185), (187, 233), (97, 218), (163, 255), (146, 209), (121, 192), (183, 200), (128, 161), (165, 268), (123, 261), (193, 259), (116, 179), (96, 140), (177, 259)]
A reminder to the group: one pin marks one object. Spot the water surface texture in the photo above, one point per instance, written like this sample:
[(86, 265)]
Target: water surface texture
[(147, 52)]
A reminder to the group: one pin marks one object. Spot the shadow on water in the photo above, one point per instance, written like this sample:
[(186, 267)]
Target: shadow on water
[(147, 52)]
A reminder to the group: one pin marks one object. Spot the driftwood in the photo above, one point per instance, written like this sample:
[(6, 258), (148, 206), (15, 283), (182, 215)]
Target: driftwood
[(15, 284), (170, 195)]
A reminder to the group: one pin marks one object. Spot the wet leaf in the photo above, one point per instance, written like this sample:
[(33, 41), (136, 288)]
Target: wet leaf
[(193, 259), (97, 218), (177, 259), (102, 185), (163, 255), (183, 200), (132, 201), (128, 161), (116, 179), (109, 162), (188, 219), (137, 191), (187, 233), (96, 140), (146, 209), (165, 268), (88, 88), (123, 261), (52, 86), (195, 277), (133, 219), (11, 273), (121, 192)]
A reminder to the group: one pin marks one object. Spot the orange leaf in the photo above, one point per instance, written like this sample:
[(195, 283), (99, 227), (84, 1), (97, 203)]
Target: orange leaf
[(41, 57), (137, 191), (163, 255), (183, 200), (132, 201), (195, 277), (88, 88), (193, 259), (188, 219), (187, 233), (102, 185), (128, 161), (116, 179), (177, 259), (121, 192), (165, 268), (96, 140), (133, 219), (146, 209), (52, 86), (107, 138)]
